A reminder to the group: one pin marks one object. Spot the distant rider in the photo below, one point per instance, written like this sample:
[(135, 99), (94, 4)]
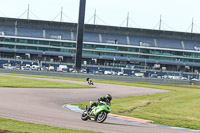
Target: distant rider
[(89, 81), (106, 99)]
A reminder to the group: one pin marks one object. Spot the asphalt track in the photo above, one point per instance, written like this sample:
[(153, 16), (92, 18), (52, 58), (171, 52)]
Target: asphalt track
[(45, 106)]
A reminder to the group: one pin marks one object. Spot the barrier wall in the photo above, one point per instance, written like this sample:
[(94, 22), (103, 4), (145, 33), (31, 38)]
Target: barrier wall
[(92, 76)]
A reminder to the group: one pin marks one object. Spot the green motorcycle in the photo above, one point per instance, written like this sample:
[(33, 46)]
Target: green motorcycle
[(98, 113)]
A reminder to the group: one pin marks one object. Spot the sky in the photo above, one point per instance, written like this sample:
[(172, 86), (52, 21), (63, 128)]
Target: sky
[(176, 15)]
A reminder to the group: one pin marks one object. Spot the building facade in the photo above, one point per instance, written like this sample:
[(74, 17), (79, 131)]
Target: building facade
[(103, 45)]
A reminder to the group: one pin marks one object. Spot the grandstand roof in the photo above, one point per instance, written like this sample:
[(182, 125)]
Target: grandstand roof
[(99, 29)]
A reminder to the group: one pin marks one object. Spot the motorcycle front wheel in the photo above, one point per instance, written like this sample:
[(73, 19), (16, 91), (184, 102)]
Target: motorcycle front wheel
[(84, 116), (101, 117)]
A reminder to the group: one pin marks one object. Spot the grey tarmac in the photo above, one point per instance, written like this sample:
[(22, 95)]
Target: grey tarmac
[(45, 106)]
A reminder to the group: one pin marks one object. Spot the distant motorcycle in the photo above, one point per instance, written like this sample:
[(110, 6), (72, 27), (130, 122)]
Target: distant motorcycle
[(98, 113), (90, 81)]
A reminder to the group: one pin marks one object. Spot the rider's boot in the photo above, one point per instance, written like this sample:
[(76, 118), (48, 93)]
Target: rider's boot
[(88, 110)]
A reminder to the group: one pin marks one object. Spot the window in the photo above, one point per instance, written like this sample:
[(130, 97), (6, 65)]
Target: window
[(9, 40), (87, 46), (55, 43), (133, 50), (32, 42), (64, 50), (20, 47), (123, 49), (65, 44), (110, 48), (44, 42), (144, 51), (21, 41), (53, 49), (100, 47), (33, 48)]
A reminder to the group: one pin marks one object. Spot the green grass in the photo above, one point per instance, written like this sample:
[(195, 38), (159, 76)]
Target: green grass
[(25, 127), (128, 83), (51, 77), (6, 81), (180, 108)]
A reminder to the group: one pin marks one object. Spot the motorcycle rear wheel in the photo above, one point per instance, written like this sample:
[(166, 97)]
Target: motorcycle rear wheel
[(101, 116), (84, 116)]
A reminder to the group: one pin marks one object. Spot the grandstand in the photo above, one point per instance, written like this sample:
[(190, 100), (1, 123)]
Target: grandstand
[(103, 45)]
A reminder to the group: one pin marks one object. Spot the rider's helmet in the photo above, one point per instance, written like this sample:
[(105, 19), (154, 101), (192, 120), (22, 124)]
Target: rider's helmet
[(87, 79), (108, 97)]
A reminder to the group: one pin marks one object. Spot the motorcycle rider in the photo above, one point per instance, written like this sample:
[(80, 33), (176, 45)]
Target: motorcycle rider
[(106, 99), (89, 81)]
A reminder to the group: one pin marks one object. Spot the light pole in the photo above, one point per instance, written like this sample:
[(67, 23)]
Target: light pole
[(80, 30)]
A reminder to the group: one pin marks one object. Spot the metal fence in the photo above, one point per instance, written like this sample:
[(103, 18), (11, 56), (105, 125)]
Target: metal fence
[(93, 76)]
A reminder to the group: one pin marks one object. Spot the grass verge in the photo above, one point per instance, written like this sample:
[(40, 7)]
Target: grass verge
[(25, 127), (180, 108), (6, 81), (128, 83)]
